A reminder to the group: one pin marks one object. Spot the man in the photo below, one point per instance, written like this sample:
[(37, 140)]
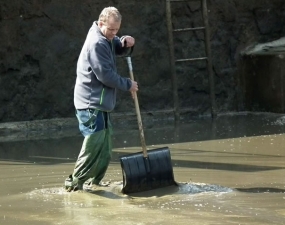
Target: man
[(95, 96)]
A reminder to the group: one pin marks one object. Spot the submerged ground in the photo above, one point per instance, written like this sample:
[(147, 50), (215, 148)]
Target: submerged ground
[(230, 170)]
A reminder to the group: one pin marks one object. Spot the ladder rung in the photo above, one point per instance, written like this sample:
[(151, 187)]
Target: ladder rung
[(183, 0), (189, 29), (191, 59)]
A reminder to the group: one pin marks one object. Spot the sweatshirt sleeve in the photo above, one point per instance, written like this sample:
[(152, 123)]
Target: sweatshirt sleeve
[(101, 62), (119, 50)]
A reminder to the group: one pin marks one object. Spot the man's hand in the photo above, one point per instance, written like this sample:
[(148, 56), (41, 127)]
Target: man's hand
[(128, 41), (134, 88)]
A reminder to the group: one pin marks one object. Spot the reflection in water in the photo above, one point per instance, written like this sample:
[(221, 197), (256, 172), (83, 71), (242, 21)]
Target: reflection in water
[(261, 190), (63, 147), (230, 171)]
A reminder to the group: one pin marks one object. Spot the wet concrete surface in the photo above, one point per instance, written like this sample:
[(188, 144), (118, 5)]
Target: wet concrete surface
[(230, 170)]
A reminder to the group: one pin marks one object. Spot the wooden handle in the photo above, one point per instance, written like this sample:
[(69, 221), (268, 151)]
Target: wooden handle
[(137, 110)]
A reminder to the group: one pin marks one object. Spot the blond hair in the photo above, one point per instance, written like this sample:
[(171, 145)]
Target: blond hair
[(110, 12)]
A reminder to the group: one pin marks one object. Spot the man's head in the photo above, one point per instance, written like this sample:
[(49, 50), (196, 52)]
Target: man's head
[(109, 22)]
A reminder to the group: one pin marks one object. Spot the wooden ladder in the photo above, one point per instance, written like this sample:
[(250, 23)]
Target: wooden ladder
[(208, 56)]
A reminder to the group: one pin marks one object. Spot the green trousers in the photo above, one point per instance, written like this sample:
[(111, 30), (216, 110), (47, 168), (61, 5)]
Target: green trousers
[(96, 151), (94, 157)]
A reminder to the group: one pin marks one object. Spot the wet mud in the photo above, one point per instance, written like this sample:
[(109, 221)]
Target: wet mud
[(229, 171)]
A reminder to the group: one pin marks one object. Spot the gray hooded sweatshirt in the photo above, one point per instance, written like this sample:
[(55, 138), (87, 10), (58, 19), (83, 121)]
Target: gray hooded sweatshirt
[(97, 77)]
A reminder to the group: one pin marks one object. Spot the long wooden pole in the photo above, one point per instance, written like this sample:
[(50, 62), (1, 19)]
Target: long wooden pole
[(209, 59), (137, 110), (172, 62)]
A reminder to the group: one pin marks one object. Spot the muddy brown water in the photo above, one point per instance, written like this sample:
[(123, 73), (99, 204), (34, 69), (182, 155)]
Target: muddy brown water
[(230, 171)]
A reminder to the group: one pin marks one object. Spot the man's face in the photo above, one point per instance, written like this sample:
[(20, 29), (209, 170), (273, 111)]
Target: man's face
[(109, 28)]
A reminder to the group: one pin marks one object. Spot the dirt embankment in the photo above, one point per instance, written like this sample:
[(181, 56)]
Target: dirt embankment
[(40, 42)]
